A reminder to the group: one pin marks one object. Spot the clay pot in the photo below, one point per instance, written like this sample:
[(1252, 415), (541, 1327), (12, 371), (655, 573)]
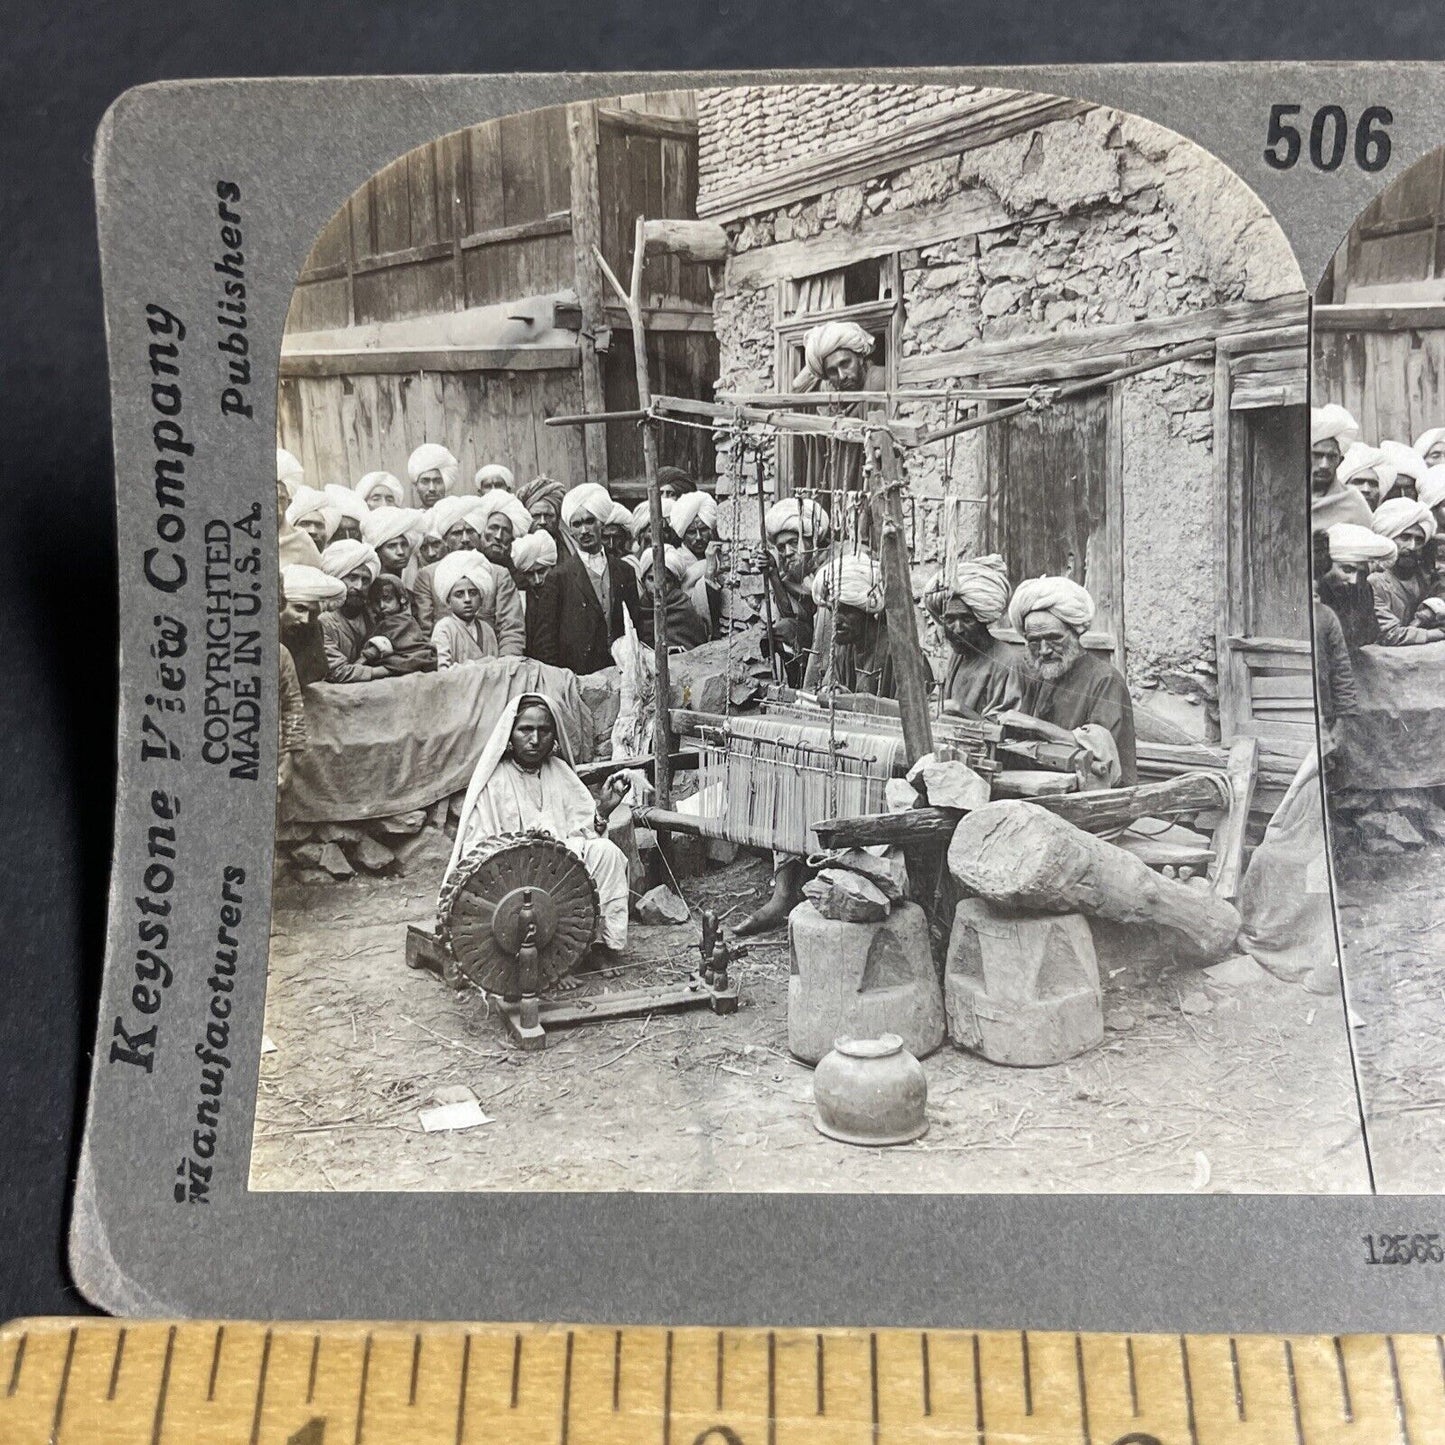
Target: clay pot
[(871, 1092)]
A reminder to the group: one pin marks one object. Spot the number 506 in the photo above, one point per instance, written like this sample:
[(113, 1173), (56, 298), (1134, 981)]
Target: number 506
[(1329, 138)]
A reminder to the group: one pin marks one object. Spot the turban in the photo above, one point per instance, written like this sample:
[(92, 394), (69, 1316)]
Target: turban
[(542, 489), (372, 480), (427, 524), (308, 502), (693, 507), (1403, 461), (1069, 602), (289, 471), (1431, 489), (1427, 439), (1349, 543), (536, 549), (310, 584), (588, 500), (851, 581), (822, 341), (451, 510), (456, 565), (386, 524), (796, 514), (1399, 514), (621, 516), (497, 500), (981, 584), (1360, 458), (677, 479), (675, 559), (431, 457), (642, 514), (342, 502), (492, 475), (341, 559), (1332, 421)]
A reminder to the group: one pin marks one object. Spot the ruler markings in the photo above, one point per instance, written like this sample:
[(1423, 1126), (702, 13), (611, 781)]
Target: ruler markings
[(115, 1364), (415, 1367), (772, 1387), (667, 1390), (567, 1390), (1190, 1420), (617, 1369), (819, 1368), (1083, 1389), (64, 1386), (361, 1390), (1238, 1382), (1347, 1406), (1399, 1394), (1133, 1376), (19, 1360), (159, 1423), (462, 1391), (215, 1361), (516, 1367), (978, 1424), (1028, 1373), (1299, 1429), (718, 1383), (261, 1384), (927, 1381)]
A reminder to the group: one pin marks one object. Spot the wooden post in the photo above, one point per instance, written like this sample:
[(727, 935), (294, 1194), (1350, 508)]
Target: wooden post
[(587, 237), (909, 667)]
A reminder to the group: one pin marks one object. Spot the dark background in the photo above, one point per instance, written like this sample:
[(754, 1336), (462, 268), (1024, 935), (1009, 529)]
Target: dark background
[(60, 67)]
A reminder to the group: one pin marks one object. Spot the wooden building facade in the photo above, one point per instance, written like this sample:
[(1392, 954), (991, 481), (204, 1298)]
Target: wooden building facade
[(455, 299)]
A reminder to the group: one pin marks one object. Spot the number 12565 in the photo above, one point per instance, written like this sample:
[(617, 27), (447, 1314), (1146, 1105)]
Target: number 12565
[(1403, 1249)]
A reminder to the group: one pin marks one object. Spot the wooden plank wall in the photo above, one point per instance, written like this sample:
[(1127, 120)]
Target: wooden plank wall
[(1391, 382), (342, 427)]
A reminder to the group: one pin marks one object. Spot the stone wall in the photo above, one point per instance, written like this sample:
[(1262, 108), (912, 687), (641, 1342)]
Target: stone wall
[(1104, 219)]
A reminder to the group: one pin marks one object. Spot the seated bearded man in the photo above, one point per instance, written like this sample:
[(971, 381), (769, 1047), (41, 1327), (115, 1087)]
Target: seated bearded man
[(1345, 586), (1405, 582), (797, 531), (524, 782), (983, 672), (1075, 694), (853, 653)]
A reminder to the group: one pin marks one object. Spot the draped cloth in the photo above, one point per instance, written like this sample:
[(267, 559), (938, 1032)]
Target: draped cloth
[(401, 743), (504, 798), (1339, 504), (1396, 738)]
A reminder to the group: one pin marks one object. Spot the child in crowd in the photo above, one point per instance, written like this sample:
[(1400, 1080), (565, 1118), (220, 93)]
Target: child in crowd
[(397, 643), (464, 582)]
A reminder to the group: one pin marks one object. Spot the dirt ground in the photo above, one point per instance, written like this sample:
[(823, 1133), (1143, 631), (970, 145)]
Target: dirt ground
[(1392, 930), (1246, 1088)]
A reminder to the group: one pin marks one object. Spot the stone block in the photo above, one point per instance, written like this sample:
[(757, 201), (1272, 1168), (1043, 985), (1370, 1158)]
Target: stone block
[(860, 980), (948, 784), (1022, 990), (308, 855), (340, 832), (312, 876), (887, 872), (661, 905), (334, 861), (899, 795), (370, 855), (848, 897), (400, 825)]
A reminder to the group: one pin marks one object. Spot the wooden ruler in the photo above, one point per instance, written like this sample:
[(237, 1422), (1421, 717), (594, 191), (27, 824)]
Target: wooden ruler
[(102, 1382)]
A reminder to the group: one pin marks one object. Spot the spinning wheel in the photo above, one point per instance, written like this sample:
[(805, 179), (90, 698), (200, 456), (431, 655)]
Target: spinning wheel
[(504, 889)]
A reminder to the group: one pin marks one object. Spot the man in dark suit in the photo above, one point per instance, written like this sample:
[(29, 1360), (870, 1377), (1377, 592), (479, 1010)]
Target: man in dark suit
[(579, 609)]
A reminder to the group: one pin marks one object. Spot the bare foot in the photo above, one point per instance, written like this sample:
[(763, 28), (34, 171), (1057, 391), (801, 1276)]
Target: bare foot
[(773, 914)]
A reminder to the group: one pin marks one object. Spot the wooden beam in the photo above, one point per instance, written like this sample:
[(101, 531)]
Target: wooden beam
[(1241, 773), (1401, 316), (703, 241), (977, 121), (850, 429), (1102, 811), (586, 229), (449, 358), (644, 122), (677, 317), (557, 225), (1000, 360), (967, 214), (412, 256)]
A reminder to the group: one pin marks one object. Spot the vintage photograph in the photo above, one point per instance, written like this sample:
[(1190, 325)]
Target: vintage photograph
[(1377, 478), (796, 665)]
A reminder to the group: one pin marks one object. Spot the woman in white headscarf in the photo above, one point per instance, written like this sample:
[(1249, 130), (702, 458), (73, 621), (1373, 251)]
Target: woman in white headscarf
[(524, 782)]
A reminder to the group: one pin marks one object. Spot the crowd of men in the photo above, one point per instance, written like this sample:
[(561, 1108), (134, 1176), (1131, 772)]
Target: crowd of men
[(1376, 514)]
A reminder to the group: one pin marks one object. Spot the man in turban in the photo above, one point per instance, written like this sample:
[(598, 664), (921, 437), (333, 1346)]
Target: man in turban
[(392, 531), (1343, 584), (673, 483), (640, 524), (294, 547), (542, 497), (1070, 690), (348, 628), (461, 521), (1430, 446), (581, 605), (503, 519), (837, 355), (797, 529), (694, 523), (494, 476), (1332, 429), (1365, 469), (1403, 584), (983, 672), (524, 782), (303, 590), (344, 513), (308, 513), (687, 627), (434, 473), (1334, 672), (1401, 472), (533, 558), (853, 654), (617, 532), (381, 489), (289, 472)]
